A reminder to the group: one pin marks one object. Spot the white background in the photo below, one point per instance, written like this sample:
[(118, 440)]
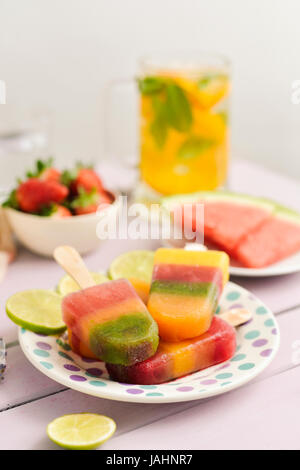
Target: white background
[(61, 53)]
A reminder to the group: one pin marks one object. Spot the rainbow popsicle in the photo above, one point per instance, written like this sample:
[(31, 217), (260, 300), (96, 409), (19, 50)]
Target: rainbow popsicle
[(173, 360), (185, 289), (79, 348), (112, 321)]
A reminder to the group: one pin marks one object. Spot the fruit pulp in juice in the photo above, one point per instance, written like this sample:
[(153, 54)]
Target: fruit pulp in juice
[(184, 131)]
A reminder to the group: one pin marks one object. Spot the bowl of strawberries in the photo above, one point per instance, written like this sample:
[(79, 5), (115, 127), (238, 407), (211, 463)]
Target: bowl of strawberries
[(50, 207)]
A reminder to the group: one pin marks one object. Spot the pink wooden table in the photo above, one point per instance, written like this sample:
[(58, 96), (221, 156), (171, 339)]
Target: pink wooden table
[(265, 414)]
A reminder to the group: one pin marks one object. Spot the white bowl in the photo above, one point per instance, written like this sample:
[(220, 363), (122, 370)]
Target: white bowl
[(43, 234)]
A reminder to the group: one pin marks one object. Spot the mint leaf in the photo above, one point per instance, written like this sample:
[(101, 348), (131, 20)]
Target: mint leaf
[(159, 127), (178, 108), (193, 147), (206, 80), (150, 85), (159, 130)]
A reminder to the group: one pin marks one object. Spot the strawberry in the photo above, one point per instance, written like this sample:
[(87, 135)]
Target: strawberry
[(45, 171), (34, 194), (89, 202), (60, 212), (87, 179), (50, 174)]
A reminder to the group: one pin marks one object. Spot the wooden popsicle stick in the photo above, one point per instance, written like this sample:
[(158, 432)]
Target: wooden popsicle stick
[(70, 260), (236, 316), (195, 247)]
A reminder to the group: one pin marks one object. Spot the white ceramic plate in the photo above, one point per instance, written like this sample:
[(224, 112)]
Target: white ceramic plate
[(257, 344), (287, 266)]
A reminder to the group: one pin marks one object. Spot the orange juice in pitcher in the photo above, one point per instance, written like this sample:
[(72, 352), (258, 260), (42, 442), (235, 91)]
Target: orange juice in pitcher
[(184, 141)]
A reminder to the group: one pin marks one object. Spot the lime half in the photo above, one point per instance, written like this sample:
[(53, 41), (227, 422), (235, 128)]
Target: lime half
[(81, 431), (37, 310), (67, 285), (133, 265)]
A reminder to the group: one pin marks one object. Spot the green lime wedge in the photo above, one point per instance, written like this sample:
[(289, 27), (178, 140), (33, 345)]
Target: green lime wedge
[(67, 285), (82, 431), (133, 265), (37, 310)]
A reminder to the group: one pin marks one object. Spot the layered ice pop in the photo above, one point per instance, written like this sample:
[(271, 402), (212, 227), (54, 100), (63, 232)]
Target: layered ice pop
[(79, 347), (112, 321), (185, 289), (173, 360), (142, 288)]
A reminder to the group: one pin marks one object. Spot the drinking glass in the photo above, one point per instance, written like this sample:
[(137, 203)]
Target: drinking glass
[(183, 122), (24, 137)]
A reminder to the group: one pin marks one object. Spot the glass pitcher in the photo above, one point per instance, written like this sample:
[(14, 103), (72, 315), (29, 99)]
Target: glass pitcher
[(183, 122)]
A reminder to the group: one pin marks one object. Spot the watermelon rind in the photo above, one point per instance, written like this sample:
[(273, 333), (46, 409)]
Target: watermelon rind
[(275, 209), (289, 215), (223, 196)]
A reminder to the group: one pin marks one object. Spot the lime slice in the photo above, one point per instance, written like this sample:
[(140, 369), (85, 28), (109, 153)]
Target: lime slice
[(82, 431), (67, 285), (133, 265), (37, 310)]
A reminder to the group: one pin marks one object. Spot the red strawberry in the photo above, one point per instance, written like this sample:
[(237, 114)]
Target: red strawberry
[(86, 210), (44, 170), (89, 202), (88, 180), (61, 212), (50, 174), (34, 194)]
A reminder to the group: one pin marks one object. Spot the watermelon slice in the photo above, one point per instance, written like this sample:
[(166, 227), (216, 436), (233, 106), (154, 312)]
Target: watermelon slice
[(228, 217), (277, 238)]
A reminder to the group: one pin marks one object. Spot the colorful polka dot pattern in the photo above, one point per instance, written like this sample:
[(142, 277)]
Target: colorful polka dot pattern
[(258, 340)]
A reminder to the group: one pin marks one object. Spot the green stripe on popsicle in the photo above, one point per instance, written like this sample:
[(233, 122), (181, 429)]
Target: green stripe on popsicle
[(130, 338), (185, 288)]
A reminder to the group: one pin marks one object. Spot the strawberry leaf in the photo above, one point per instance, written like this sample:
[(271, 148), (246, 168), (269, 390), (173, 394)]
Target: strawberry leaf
[(40, 166), (68, 176), (48, 210), (85, 199), (11, 201)]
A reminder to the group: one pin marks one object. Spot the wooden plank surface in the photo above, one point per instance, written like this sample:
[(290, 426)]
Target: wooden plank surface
[(279, 293), (128, 416), (202, 423), (23, 382), (38, 414), (288, 355), (263, 415)]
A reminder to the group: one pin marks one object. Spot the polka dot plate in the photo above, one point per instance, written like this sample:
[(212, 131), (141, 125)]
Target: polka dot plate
[(257, 344)]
